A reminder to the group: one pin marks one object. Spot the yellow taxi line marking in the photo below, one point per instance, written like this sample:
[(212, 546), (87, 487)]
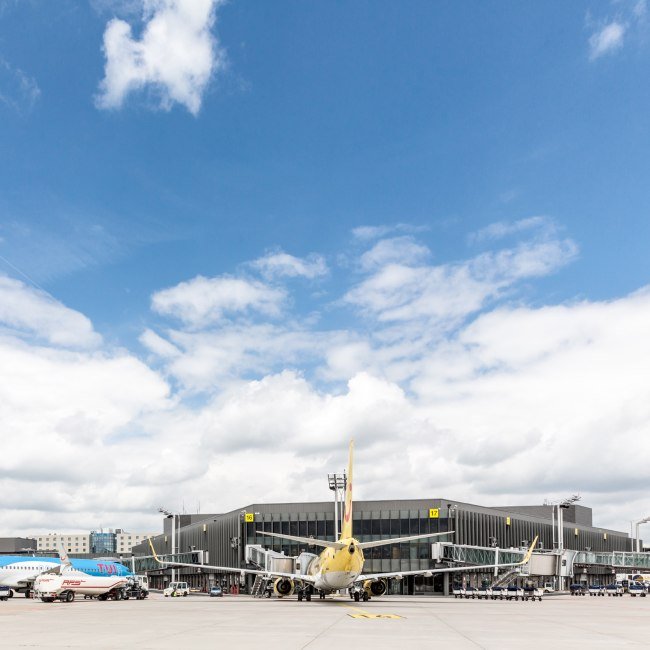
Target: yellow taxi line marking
[(360, 613)]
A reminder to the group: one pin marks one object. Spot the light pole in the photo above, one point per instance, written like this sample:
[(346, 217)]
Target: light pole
[(172, 516), (338, 483), (634, 526), (561, 506)]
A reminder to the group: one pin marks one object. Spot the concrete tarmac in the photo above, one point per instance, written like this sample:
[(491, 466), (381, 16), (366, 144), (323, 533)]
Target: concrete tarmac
[(396, 622)]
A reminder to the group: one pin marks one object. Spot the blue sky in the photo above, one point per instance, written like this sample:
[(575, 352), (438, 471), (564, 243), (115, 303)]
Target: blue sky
[(355, 204)]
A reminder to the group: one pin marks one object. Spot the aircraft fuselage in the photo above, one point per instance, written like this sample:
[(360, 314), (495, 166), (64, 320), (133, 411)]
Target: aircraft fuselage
[(338, 568)]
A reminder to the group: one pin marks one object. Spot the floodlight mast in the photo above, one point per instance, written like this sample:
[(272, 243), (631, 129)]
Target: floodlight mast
[(634, 530), (338, 483), (171, 515)]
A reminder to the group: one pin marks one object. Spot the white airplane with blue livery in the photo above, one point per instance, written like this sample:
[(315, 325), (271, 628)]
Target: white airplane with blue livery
[(18, 572)]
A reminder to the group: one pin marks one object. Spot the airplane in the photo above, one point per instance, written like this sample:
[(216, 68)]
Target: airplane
[(340, 565), (64, 582), (20, 571)]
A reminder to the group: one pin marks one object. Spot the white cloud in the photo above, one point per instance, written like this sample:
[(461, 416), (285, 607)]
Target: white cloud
[(204, 300), (18, 90), (31, 311), (158, 345), (279, 265), (502, 229), (368, 233), (513, 404), (445, 293), (175, 58), (606, 40), (404, 250)]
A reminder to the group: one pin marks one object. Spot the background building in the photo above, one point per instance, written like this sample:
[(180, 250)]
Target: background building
[(17, 545), (96, 543), (224, 537)]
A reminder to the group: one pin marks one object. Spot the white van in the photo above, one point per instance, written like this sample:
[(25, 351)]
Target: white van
[(177, 589)]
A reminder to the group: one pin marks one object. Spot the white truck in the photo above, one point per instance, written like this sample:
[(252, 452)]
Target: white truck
[(177, 589)]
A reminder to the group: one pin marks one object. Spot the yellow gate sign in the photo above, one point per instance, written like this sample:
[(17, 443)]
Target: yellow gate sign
[(434, 513), (249, 517)]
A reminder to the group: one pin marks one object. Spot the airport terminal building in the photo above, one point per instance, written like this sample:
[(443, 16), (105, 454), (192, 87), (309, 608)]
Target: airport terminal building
[(224, 537)]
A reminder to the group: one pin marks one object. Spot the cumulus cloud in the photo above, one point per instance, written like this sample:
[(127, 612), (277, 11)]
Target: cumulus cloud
[(175, 58), (283, 265), (30, 311), (447, 292), (445, 382), (204, 300), (404, 250), (606, 40)]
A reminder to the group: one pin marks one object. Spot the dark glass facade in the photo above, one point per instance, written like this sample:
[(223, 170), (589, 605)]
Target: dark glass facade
[(225, 536)]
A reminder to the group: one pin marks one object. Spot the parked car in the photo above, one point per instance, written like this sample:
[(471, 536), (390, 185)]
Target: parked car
[(216, 591)]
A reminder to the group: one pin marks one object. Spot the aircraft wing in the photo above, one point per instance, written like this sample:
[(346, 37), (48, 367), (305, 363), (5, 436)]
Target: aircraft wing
[(229, 569), (430, 572), (398, 540), (304, 540)]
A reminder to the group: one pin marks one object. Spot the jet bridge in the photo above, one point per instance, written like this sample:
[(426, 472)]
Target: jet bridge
[(475, 555), (143, 563), (614, 559)]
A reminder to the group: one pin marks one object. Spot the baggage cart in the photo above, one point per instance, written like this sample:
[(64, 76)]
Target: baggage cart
[(596, 590), (533, 593), (484, 592), (636, 590), (498, 593), (514, 593), (614, 590)]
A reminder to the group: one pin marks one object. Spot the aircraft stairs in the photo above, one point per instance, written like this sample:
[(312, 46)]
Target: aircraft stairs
[(260, 586), (505, 579)]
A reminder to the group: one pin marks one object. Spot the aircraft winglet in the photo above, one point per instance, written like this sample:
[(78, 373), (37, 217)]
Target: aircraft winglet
[(153, 550), (529, 553)]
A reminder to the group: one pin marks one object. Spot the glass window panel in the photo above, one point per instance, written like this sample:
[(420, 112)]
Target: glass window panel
[(384, 526)]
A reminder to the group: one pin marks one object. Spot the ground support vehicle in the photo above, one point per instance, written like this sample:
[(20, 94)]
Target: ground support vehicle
[(484, 592), (177, 589), (498, 593), (596, 590), (614, 590), (533, 593), (137, 587), (216, 590), (5, 593), (514, 593), (578, 590), (458, 592), (636, 590)]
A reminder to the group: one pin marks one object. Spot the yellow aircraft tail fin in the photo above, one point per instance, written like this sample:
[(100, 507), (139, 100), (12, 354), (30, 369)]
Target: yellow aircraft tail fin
[(346, 530), (529, 553)]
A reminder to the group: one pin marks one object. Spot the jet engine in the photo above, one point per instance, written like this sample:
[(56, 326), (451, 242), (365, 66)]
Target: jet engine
[(375, 587), (283, 587)]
